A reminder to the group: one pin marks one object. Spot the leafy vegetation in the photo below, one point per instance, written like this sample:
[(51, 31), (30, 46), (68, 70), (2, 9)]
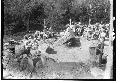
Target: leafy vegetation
[(25, 15)]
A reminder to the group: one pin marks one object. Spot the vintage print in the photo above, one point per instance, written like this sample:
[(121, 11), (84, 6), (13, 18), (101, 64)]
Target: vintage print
[(58, 39)]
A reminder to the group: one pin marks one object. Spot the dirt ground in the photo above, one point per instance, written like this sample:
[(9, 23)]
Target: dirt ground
[(70, 65)]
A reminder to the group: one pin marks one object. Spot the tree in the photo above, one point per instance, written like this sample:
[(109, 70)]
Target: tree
[(56, 12), (19, 10)]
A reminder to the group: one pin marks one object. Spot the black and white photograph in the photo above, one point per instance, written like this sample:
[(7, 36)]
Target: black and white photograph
[(58, 40)]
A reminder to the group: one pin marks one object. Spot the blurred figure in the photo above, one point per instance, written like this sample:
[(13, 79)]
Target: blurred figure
[(37, 35)]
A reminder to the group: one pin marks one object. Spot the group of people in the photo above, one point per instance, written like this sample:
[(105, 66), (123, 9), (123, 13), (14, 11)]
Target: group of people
[(97, 31), (90, 32), (34, 45)]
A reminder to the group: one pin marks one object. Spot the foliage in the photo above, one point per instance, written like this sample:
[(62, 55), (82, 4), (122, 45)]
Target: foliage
[(30, 14)]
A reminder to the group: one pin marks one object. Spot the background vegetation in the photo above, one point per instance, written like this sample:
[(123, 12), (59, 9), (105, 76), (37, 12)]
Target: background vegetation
[(25, 15)]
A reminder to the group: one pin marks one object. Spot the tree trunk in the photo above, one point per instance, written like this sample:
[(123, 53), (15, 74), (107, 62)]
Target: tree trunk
[(26, 22)]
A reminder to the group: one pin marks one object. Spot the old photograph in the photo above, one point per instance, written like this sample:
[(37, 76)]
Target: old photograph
[(58, 39)]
